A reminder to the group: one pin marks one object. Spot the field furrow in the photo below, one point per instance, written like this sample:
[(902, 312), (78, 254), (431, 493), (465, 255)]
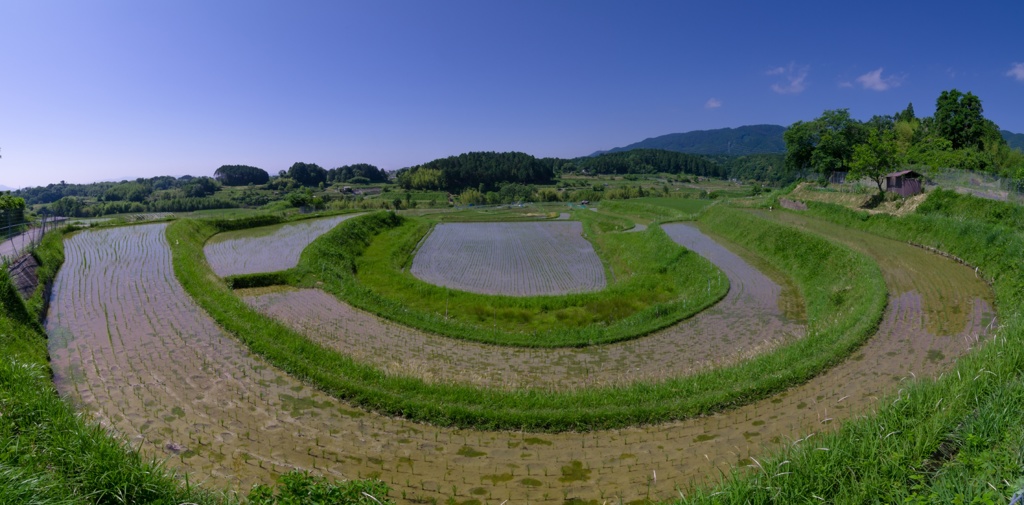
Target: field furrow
[(518, 259), (176, 386)]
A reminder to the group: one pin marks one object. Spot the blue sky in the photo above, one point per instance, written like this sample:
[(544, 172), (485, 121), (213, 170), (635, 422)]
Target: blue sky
[(122, 89)]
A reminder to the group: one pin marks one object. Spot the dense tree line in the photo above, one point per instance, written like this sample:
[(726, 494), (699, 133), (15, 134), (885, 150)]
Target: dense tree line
[(643, 161), (485, 171), (240, 175), (155, 194), (307, 174), (138, 190), (359, 173), (769, 169), (957, 136)]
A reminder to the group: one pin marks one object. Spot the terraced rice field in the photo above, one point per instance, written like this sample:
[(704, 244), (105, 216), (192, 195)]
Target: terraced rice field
[(131, 349), (748, 321), (266, 248), (517, 259)]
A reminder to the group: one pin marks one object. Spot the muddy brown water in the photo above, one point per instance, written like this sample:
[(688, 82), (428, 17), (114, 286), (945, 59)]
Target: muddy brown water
[(747, 322), (134, 352)]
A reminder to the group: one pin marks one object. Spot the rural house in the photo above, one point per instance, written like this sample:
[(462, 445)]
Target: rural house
[(905, 183)]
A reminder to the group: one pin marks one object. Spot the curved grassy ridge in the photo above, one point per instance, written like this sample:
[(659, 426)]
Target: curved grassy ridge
[(662, 283), (829, 339), (957, 439)]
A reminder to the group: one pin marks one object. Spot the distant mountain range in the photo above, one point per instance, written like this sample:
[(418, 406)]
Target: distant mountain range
[(6, 188), (1016, 140), (755, 139)]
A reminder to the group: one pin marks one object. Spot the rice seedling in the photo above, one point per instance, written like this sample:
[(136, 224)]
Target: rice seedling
[(653, 283), (266, 248)]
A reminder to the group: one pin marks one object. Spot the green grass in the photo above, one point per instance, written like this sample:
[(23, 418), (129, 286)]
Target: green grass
[(491, 213), (656, 209), (652, 283), (958, 439), (834, 332)]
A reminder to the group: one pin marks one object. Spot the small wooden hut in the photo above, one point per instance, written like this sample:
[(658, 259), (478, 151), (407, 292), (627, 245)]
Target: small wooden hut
[(905, 183)]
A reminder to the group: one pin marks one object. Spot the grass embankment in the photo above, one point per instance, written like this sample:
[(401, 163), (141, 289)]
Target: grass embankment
[(958, 439), (652, 283), (656, 209), (838, 323)]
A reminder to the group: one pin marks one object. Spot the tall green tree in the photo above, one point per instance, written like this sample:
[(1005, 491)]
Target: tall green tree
[(959, 119), (876, 157), (307, 174), (801, 139), (824, 145), (241, 175)]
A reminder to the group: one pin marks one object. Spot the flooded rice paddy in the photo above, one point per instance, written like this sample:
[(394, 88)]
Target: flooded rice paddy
[(266, 248), (131, 349), (517, 259), (747, 322)]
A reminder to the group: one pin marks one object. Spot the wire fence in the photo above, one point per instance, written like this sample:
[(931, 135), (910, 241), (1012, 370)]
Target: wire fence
[(22, 237), (981, 185)]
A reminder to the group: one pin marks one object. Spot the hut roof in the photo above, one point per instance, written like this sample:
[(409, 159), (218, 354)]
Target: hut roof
[(909, 173)]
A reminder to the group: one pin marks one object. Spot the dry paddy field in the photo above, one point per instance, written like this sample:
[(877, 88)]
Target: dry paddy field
[(266, 248), (517, 259), (133, 351)]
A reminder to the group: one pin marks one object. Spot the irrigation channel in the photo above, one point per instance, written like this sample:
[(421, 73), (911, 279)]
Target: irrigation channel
[(129, 347)]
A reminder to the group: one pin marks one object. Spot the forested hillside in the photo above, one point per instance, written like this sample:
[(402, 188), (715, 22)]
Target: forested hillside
[(484, 171), (1014, 140), (744, 140)]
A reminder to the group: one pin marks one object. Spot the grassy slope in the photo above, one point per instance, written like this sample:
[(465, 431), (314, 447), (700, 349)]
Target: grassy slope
[(656, 209), (454, 405), (959, 439)]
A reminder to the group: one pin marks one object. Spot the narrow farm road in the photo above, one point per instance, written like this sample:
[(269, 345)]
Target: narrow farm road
[(133, 351)]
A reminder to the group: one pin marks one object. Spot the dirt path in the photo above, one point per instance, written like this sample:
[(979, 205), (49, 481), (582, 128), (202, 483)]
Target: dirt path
[(747, 322), (132, 349)]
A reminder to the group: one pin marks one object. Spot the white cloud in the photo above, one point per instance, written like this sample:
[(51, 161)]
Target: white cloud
[(873, 80), (793, 78), (1017, 71), (713, 103)]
